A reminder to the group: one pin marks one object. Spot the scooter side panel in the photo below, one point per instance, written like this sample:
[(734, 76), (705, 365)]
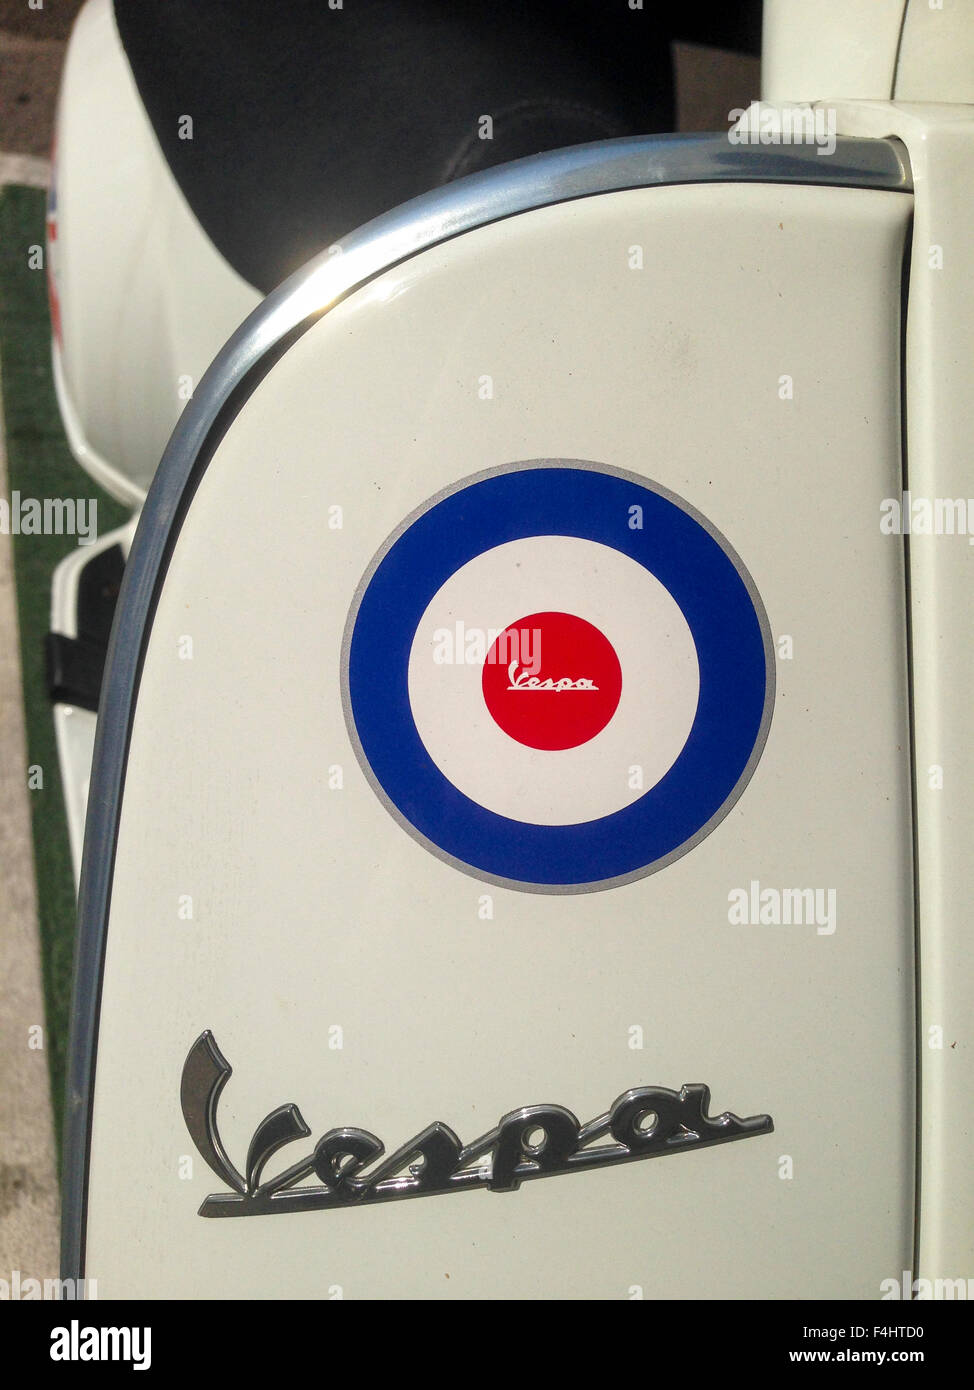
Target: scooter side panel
[(747, 362)]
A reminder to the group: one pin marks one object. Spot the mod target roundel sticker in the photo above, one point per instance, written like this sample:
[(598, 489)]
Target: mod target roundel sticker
[(558, 676)]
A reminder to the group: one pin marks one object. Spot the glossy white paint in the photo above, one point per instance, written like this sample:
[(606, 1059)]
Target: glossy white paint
[(74, 729), (939, 429), (146, 299), (936, 59), (312, 908), (813, 49)]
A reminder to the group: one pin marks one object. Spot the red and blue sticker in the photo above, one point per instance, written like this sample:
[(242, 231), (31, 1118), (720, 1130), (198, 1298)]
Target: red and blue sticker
[(558, 676)]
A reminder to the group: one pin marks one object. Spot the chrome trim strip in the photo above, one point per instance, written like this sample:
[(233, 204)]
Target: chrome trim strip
[(579, 172)]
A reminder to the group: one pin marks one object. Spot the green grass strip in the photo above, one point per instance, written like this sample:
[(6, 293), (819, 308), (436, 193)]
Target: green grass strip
[(40, 465)]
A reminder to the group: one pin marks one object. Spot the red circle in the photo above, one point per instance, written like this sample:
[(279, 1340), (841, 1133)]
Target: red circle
[(552, 681)]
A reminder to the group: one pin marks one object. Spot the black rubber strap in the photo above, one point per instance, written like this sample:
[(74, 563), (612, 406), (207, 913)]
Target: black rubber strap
[(76, 665)]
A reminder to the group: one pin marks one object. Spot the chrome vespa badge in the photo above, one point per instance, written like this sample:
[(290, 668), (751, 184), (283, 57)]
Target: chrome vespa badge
[(537, 1141)]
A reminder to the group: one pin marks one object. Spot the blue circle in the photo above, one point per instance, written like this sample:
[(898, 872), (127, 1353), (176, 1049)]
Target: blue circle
[(691, 561)]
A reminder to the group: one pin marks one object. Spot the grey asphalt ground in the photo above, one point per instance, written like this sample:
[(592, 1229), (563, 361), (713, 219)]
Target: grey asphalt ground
[(709, 84)]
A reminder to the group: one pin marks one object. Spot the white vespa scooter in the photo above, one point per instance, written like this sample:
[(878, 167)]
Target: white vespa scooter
[(533, 739)]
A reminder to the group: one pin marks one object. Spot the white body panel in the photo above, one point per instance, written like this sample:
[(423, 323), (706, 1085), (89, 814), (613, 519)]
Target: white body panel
[(939, 429), (939, 421), (868, 50), (936, 59), (146, 300), (74, 729), (312, 908), (811, 49)]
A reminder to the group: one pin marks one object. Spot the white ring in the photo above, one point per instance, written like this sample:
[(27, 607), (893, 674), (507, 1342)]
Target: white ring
[(660, 680)]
